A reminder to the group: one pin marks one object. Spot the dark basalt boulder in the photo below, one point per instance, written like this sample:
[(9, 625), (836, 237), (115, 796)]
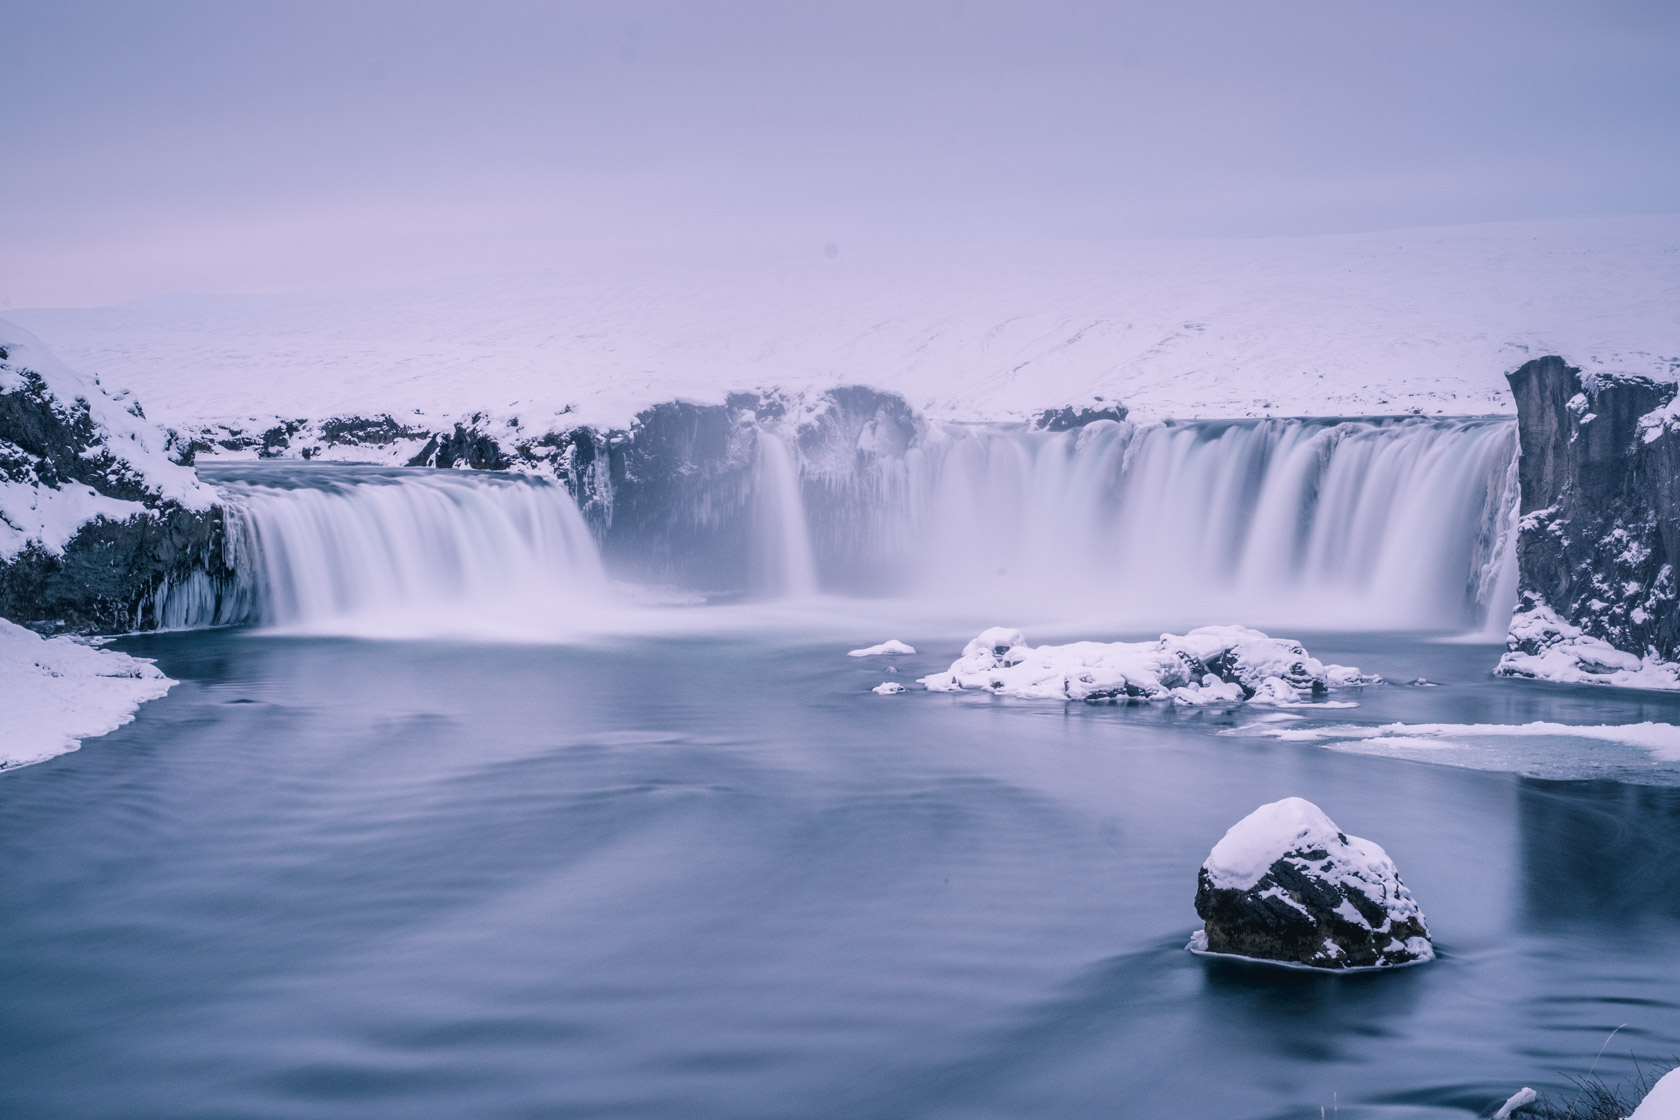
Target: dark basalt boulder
[(1599, 533), (1068, 418), (1286, 885)]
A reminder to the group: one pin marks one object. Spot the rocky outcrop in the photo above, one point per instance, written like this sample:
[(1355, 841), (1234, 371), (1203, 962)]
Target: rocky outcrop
[(1211, 665), (1599, 533), (1068, 418), (1286, 885), (95, 517)]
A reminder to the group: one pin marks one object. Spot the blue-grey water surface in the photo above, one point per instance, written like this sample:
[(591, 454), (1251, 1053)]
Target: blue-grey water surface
[(718, 878)]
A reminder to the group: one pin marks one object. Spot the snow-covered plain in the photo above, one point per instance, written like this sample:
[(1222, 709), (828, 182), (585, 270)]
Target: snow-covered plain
[(55, 692), (1377, 323)]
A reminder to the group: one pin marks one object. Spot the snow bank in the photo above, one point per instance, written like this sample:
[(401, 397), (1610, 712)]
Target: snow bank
[(75, 433), (887, 688), (1544, 647), (1426, 319), (1209, 665), (891, 645), (55, 692), (1663, 1101)]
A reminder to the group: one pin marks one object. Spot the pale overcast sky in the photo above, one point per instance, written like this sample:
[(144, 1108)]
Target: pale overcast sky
[(166, 147)]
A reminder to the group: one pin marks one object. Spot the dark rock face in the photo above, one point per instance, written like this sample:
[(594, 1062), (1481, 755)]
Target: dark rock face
[(679, 491), (1068, 418), (1327, 900), (107, 578), (107, 575), (1600, 528)]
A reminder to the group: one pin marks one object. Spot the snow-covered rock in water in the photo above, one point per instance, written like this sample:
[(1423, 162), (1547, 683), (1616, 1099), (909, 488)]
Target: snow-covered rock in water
[(887, 688), (1209, 665), (55, 692), (1543, 647), (1663, 1101), (1286, 885), (891, 645), (1522, 1098), (94, 515)]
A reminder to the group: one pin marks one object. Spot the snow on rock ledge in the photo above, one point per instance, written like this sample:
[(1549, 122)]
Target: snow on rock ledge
[(55, 692), (94, 515), (1209, 665), (1286, 885), (1543, 647)]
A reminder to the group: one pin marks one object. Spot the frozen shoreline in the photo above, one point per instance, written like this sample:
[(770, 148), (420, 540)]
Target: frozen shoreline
[(56, 692)]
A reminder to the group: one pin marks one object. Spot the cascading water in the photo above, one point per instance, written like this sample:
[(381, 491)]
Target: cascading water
[(783, 562), (1371, 523), (1394, 524), (331, 549)]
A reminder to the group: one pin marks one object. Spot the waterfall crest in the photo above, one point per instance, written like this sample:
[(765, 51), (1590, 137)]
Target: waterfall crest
[(1382, 524)]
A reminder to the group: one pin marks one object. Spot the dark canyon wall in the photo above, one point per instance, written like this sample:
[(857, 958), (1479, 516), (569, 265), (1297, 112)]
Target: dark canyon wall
[(1600, 515)]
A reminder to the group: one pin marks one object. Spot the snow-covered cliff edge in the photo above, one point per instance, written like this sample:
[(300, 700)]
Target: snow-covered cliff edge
[(94, 514), (1599, 534)]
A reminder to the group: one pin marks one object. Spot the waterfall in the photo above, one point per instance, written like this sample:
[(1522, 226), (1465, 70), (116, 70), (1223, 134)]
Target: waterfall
[(378, 552), (1381, 524), (1369, 523), (783, 562)]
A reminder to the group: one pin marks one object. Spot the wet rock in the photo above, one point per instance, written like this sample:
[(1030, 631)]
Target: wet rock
[(1286, 885)]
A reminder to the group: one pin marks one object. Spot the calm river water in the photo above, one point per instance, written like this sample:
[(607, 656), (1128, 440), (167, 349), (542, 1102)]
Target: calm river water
[(716, 877)]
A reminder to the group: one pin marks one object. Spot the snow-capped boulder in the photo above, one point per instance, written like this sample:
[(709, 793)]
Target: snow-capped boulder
[(1209, 665), (1285, 884), (1599, 533)]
